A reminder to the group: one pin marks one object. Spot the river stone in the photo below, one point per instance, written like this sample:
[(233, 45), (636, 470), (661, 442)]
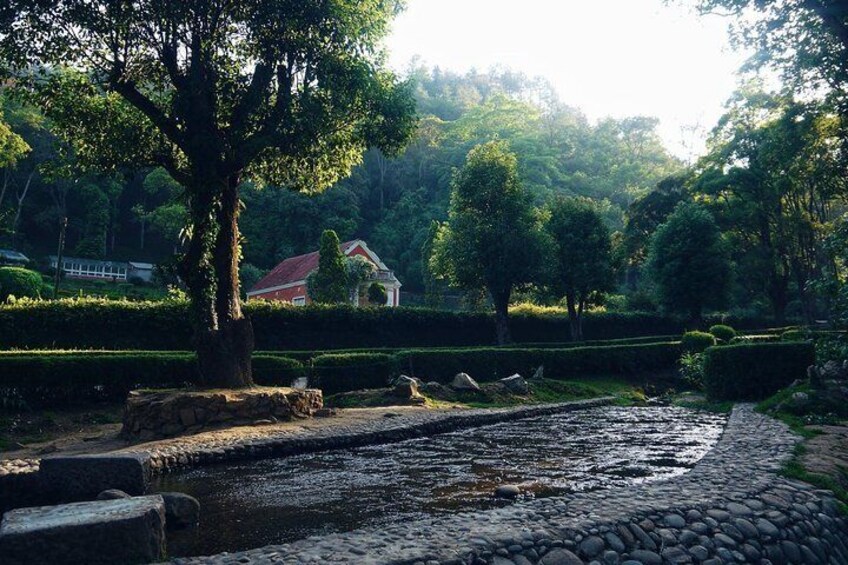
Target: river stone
[(83, 477), (507, 491), (516, 384), (675, 521), (406, 388), (646, 557), (462, 381), (181, 510), (129, 530), (112, 494), (560, 557), (767, 528), (591, 546)]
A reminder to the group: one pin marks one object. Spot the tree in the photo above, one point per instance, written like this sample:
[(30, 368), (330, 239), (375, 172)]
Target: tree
[(377, 295), (688, 262), (492, 240), (214, 92), (329, 284), (357, 270), (582, 257)]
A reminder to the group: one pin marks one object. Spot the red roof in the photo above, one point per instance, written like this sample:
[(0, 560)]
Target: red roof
[(295, 269)]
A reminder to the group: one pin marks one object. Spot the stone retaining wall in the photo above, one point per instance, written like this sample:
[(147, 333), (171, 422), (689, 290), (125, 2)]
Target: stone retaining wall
[(732, 507), (154, 415)]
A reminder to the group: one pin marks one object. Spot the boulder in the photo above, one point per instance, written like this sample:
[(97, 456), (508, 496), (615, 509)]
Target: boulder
[(464, 382), (181, 510), (516, 384), (127, 530), (833, 370), (83, 477), (112, 494), (507, 491), (406, 388)]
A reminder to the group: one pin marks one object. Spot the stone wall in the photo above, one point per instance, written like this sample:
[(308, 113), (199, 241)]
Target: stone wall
[(732, 507), (155, 415)]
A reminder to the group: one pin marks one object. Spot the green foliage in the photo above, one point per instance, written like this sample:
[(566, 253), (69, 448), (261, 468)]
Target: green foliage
[(688, 262), (723, 332), (492, 239), (377, 294), (696, 342), (50, 379), (490, 364), (692, 369), (793, 335), (582, 256), (343, 372), (328, 285), (249, 275), (118, 324), (755, 371), (20, 283)]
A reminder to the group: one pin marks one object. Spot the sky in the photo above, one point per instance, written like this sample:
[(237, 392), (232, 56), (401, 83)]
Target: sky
[(608, 57)]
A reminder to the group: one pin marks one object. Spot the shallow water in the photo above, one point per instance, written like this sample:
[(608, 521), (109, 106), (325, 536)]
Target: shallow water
[(255, 503)]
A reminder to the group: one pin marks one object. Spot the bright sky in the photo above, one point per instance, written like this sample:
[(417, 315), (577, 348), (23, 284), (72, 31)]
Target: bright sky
[(608, 57)]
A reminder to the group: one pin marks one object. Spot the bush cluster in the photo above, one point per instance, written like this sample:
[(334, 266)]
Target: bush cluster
[(97, 323), (343, 372), (20, 283), (723, 332), (754, 371), (696, 342), (52, 379)]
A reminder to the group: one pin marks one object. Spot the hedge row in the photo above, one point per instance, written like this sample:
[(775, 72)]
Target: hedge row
[(755, 371), (103, 324), (46, 380)]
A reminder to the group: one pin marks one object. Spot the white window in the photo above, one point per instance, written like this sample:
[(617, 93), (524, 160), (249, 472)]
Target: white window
[(299, 301)]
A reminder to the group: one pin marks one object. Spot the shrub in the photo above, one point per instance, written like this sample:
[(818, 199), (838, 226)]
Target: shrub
[(692, 370), (754, 371), (793, 335), (723, 332), (20, 283), (47, 379), (490, 364), (377, 294), (120, 324), (696, 342), (344, 372)]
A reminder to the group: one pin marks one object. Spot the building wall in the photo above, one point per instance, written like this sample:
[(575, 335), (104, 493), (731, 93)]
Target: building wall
[(286, 294)]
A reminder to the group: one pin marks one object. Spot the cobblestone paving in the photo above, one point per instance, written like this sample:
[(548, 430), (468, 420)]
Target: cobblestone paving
[(732, 507)]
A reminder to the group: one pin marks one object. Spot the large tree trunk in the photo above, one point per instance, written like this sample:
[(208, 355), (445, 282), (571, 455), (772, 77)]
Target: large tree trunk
[(501, 301), (575, 317), (224, 338)]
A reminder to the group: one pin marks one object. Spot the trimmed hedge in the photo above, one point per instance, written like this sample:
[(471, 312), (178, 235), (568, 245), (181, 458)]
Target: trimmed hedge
[(754, 371), (723, 332), (696, 342), (490, 364), (50, 380), (19, 282), (98, 323), (344, 372)]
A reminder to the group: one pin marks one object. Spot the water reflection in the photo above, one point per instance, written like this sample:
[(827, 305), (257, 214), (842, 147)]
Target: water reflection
[(250, 504)]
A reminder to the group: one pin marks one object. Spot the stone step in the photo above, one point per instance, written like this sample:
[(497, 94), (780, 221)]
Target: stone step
[(128, 531)]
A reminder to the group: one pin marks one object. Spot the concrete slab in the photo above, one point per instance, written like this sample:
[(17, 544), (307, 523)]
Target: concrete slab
[(130, 531), (71, 479)]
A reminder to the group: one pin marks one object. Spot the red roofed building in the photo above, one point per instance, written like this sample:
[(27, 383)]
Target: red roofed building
[(287, 282)]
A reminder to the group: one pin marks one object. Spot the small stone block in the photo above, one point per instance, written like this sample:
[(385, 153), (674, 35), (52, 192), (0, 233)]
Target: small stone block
[(70, 479), (129, 531)]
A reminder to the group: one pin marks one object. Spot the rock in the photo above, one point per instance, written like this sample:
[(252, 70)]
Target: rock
[(127, 530), (112, 494), (181, 510), (646, 557), (591, 546), (464, 382), (516, 384), (539, 374), (560, 556), (325, 412), (406, 388), (675, 521), (69, 479), (507, 491)]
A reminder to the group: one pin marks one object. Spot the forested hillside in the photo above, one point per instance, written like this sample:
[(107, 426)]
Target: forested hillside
[(388, 202)]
